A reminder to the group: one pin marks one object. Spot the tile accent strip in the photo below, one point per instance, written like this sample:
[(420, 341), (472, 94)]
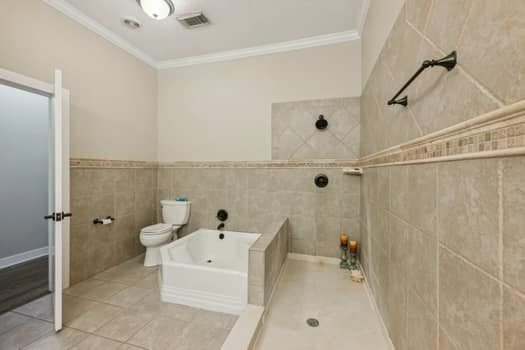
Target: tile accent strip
[(102, 163), (108, 164), (496, 134)]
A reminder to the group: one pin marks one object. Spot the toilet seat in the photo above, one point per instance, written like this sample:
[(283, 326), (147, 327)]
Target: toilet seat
[(157, 229)]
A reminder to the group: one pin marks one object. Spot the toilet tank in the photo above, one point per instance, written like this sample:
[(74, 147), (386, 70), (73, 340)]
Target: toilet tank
[(174, 212)]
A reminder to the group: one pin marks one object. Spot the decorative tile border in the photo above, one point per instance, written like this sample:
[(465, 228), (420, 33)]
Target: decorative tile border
[(262, 164), (496, 134), (101, 163), (108, 164)]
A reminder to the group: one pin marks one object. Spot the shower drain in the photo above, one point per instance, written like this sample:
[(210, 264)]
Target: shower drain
[(312, 322)]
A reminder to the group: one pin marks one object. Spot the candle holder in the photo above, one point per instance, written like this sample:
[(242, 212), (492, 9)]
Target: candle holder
[(344, 257), (353, 261)]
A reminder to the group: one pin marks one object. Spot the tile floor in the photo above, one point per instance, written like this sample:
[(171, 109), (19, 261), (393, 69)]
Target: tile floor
[(346, 317), (116, 309)]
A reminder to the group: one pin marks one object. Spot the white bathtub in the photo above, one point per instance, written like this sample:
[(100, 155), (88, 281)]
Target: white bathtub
[(204, 271)]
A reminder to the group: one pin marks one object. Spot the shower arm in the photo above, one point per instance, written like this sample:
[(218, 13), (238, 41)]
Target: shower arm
[(448, 62)]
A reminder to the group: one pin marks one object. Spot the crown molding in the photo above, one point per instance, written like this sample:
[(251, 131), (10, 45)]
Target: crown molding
[(320, 40), (314, 41), (96, 27), (362, 16)]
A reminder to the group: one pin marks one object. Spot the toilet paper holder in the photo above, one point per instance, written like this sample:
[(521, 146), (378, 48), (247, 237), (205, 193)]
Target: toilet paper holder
[(108, 220)]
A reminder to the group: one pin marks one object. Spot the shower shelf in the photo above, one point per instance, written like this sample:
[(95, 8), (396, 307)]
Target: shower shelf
[(448, 62)]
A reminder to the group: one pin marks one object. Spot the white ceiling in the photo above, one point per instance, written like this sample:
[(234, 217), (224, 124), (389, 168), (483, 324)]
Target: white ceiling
[(235, 25)]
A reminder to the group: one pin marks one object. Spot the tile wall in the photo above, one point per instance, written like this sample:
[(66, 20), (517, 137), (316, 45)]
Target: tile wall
[(127, 194), (445, 252), (295, 137), (443, 243), (255, 197), (266, 259)]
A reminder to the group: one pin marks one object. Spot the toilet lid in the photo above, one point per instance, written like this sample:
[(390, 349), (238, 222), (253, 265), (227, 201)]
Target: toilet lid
[(157, 229)]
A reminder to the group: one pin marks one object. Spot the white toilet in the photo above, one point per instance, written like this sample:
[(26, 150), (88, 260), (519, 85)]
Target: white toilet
[(174, 215)]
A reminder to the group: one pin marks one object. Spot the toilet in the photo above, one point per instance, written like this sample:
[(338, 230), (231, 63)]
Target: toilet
[(175, 214)]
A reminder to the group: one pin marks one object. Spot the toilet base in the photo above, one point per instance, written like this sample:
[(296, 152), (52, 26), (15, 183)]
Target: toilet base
[(152, 257)]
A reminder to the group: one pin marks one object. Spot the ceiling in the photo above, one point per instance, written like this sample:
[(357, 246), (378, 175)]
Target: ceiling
[(235, 25)]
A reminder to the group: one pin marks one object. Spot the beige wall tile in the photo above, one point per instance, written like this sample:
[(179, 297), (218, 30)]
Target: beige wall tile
[(491, 47), (468, 210), (421, 324), (513, 320), (469, 311), (422, 197), (447, 21), (513, 223), (417, 12), (294, 135), (422, 270)]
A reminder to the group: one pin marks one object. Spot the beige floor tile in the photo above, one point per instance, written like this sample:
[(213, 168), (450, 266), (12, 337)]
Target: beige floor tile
[(93, 342), (10, 320), (128, 297), (57, 341), (198, 337), (73, 307), (129, 347), (25, 334), (104, 291), (83, 287), (95, 317), (150, 282), (211, 320), (41, 308), (150, 303), (162, 333), (125, 325)]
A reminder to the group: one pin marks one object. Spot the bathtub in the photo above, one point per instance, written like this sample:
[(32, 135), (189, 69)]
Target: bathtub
[(207, 269)]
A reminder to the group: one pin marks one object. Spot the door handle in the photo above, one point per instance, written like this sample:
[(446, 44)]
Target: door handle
[(58, 216)]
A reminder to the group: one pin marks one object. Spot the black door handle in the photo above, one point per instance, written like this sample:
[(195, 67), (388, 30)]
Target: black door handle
[(58, 216)]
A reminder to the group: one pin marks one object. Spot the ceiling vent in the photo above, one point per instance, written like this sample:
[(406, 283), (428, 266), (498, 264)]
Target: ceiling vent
[(193, 20)]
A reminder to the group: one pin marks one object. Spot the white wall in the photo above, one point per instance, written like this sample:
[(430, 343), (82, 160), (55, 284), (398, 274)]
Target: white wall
[(222, 111), (113, 95), (382, 15), (24, 155)]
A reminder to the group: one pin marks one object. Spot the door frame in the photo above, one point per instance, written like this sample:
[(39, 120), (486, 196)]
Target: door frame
[(43, 88)]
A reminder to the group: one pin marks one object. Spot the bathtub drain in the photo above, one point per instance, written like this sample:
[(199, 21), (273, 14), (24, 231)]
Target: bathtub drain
[(210, 261), (312, 322)]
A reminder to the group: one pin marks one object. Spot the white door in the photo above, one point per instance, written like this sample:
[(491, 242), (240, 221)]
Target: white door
[(60, 200), (58, 190)]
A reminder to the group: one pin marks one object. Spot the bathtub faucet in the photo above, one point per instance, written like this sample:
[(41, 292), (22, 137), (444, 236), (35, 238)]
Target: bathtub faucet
[(221, 226)]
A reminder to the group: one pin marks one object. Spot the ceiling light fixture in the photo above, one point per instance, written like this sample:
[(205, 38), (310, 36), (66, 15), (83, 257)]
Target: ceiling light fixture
[(157, 9)]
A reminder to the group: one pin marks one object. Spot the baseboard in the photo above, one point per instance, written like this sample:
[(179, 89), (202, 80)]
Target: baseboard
[(376, 310), (23, 257), (314, 259)]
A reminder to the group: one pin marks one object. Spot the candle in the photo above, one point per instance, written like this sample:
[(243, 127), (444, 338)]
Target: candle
[(344, 240), (353, 247)]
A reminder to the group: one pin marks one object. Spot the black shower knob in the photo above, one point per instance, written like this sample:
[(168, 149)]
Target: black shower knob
[(321, 123)]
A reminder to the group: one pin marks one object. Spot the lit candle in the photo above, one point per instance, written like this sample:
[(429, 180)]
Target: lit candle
[(353, 247), (344, 240)]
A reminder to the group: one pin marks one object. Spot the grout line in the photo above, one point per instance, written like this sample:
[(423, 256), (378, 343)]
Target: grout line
[(468, 262), (500, 246)]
